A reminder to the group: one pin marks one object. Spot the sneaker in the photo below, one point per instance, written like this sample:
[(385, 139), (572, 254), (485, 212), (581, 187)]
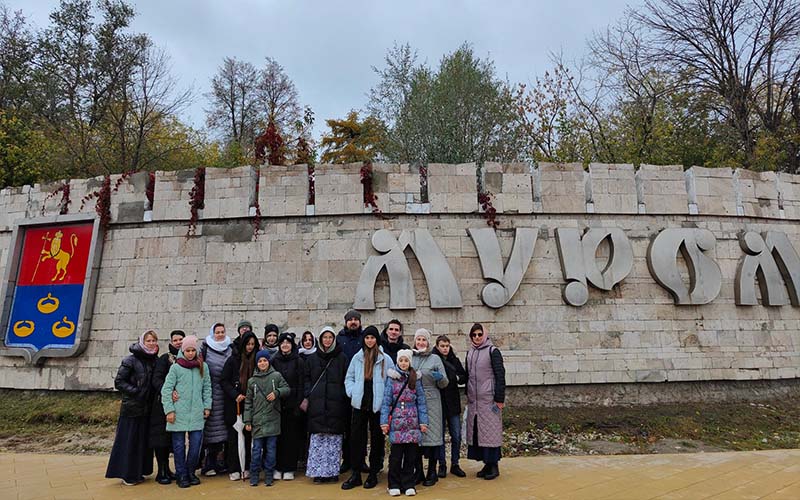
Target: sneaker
[(235, 476), (276, 475), (394, 492), (411, 492), (129, 483), (253, 483), (288, 476), (208, 472), (246, 474), (268, 482)]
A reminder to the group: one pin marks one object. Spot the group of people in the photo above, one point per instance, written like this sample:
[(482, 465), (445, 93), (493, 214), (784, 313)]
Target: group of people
[(319, 400)]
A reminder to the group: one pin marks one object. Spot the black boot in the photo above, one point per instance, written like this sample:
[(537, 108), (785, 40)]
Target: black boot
[(456, 471), (482, 472), (163, 467), (442, 470), (420, 471), (431, 478), (353, 481), (372, 481), (492, 473)]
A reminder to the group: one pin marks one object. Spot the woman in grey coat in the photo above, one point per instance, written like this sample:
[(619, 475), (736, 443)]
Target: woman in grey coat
[(216, 350), (431, 372)]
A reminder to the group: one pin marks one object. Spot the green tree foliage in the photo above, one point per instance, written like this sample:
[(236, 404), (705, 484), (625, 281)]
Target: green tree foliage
[(351, 140), (460, 112)]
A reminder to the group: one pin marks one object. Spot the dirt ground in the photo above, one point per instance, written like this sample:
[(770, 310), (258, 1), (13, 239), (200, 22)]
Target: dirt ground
[(84, 423)]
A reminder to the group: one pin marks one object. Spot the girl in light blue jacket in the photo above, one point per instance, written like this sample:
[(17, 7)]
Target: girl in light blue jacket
[(190, 379), (364, 385)]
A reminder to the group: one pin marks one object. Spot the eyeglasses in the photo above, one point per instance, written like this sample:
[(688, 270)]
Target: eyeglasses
[(476, 334)]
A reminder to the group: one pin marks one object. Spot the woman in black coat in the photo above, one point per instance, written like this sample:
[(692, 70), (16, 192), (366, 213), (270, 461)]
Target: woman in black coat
[(327, 407), (237, 371), (131, 459), (287, 362), (451, 405), (160, 439)]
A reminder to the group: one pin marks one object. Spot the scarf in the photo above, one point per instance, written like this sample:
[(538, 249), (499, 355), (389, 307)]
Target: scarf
[(145, 349), (195, 363), (217, 346)]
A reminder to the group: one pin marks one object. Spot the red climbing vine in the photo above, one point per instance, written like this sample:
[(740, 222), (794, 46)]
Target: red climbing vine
[(150, 191), (257, 206), (423, 182), (65, 199), (489, 212), (196, 199), (103, 197), (370, 199)]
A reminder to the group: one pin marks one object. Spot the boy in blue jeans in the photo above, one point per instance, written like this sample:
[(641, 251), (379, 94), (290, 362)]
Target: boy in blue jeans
[(262, 416)]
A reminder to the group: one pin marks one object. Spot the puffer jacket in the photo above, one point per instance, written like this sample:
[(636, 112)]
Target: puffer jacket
[(194, 396), (133, 380), (354, 380), (263, 415), (327, 402), (292, 367), (409, 413), (451, 397)]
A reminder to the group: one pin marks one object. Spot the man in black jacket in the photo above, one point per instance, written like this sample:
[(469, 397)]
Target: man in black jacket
[(349, 340), (392, 339), (451, 405)]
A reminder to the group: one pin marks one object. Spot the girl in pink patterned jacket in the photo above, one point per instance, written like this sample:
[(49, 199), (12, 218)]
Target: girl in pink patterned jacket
[(404, 417)]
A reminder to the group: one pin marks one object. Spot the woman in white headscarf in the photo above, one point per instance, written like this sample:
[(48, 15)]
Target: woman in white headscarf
[(216, 350)]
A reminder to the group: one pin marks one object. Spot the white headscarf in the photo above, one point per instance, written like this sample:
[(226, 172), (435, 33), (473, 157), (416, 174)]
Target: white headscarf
[(217, 346)]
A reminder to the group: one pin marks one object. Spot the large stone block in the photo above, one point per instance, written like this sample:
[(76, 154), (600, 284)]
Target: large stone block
[(172, 195), (511, 186), (789, 188), (397, 187), (453, 188), (757, 193), (229, 192), (563, 187), (613, 188), (48, 199), (283, 191), (713, 190), (13, 206), (338, 189), (661, 189)]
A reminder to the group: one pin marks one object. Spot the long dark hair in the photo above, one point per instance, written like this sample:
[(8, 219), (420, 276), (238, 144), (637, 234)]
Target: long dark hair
[(412, 378), (248, 362)]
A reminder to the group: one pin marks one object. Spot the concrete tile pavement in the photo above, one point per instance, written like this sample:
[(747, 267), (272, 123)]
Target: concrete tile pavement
[(737, 475)]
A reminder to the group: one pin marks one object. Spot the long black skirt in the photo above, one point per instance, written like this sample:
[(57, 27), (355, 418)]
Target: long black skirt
[(131, 459)]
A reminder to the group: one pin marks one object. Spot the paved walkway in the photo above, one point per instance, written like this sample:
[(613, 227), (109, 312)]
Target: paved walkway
[(764, 474)]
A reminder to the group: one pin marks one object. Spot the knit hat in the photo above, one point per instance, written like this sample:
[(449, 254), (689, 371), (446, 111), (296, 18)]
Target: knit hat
[(262, 354), (371, 330), (286, 336), (242, 323), (405, 353), (177, 332), (189, 342), (352, 314), (426, 334), (271, 328)]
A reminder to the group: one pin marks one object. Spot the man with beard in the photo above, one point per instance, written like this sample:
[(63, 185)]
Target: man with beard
[(350, 340), (392, 339)]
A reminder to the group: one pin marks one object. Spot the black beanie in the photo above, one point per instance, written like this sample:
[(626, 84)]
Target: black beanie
[(271, 328)]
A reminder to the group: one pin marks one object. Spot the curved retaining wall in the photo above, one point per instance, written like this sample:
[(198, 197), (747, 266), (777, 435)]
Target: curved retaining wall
[(303, 269)]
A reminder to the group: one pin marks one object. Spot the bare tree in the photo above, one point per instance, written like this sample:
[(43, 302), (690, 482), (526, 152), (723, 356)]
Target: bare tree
[(745, 51), (16, 57), (234, 109), (278, 98)]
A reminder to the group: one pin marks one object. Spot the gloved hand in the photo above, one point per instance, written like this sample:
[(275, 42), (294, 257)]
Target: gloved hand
[(394, 374), (437, 376)]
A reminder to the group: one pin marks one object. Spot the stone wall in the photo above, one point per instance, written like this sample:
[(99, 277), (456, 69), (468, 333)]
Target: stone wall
[(301, 271)]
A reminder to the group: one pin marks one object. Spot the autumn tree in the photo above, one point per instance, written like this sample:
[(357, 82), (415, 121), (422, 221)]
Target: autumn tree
[(234, 108), (351, 140)]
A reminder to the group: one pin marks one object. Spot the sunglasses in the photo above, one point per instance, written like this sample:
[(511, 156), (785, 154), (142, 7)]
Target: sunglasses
[(476, 334)]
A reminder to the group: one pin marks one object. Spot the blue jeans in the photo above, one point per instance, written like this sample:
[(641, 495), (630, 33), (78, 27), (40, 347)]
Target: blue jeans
[(264, 454), (454, 424), (186, 463)]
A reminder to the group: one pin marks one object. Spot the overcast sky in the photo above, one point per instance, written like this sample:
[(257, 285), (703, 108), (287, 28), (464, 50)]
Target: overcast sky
[(329, 46)]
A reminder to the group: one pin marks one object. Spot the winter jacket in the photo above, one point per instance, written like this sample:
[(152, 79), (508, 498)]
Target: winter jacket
[(230, 383), (392, 348), (292, 367), (159, 437), (354, 380), (216, 431), (327, 402), (451, 397), (133, 380), (263, 415), (409, 412), (350, 342), (486, 385), (194, 397), (426, 365)]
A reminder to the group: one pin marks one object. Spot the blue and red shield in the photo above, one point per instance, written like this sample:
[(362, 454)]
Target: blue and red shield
[(47, 285)]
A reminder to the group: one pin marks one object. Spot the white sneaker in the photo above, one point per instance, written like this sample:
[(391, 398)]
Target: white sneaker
[(246, 474), (288, 476), (276, 475), (394, 492), (235, 476), (411, 492)]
